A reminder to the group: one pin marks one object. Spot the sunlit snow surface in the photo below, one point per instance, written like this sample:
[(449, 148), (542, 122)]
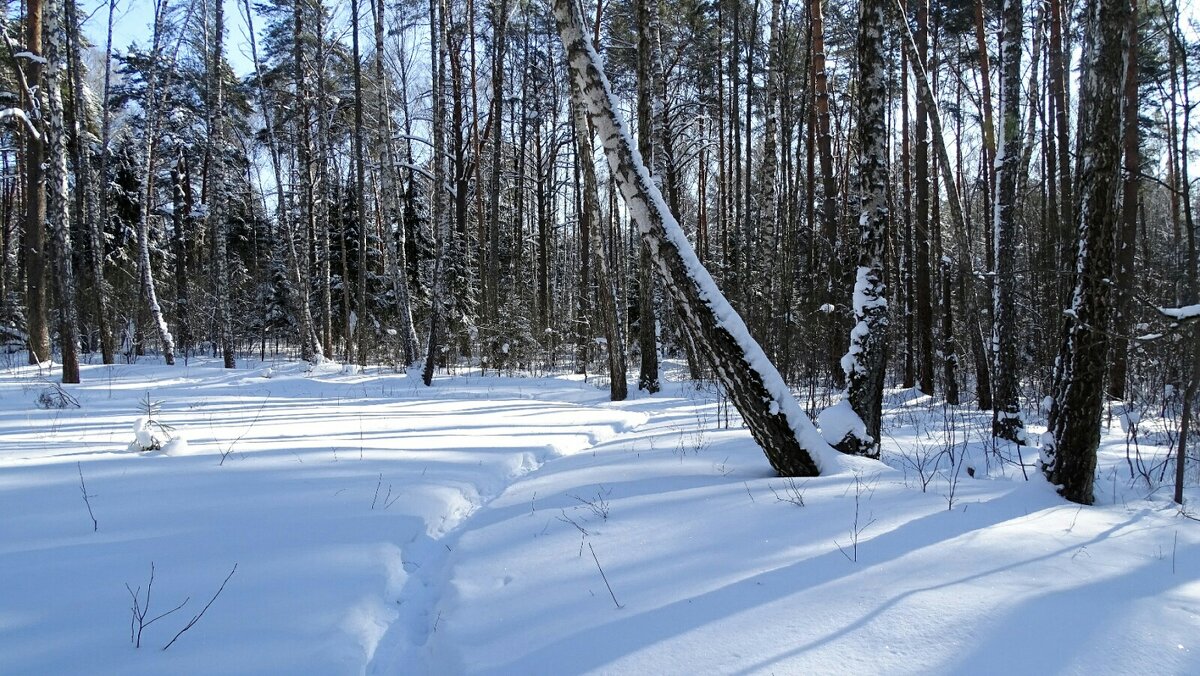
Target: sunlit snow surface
[(380, 526)]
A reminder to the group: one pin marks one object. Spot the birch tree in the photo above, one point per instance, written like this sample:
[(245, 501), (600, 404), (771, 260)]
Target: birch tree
[(57, 197), (789, 440), (1069, 445), (1006, 420), (865, 361)]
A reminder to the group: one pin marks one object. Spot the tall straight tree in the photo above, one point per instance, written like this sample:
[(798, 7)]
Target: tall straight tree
[(218, 193), (829, 227), (589, 219), (1070, 443), (88, 192), (36, 298), (1006, 416), (865, 362), (57, 204), (437, 215), (389, 177), (647, 20), (922, 267), (359, 347)]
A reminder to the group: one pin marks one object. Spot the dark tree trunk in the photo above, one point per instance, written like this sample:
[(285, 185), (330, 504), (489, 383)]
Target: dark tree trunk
[(647, 326), (1069, 451), (57, 201)]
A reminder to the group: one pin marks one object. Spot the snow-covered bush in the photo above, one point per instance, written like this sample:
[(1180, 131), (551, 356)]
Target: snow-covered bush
[(151, 434)]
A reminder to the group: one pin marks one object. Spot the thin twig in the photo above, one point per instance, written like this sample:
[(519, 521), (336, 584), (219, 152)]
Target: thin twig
[(605, 577), (86, 498), (196, 618)]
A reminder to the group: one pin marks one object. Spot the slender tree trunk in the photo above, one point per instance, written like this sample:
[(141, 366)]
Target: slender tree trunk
[(148, 290), (1006, 416), (647, 324), (1057, 70), (363, 323), (831, 252), (922, 267), (589, 211), (492, 275), (1127, 233), (99, 252), (389, 175), (36, 297), (437, 320), (85, 181), (220, 193), (57, 203)]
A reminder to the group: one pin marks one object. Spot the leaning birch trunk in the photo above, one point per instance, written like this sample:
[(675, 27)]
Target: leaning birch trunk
[(56, 190), (145, 274), (778, 425)]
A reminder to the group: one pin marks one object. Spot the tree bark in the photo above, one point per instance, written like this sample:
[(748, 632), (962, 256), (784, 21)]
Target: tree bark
[(647, 326), (219, 193), (57, 204), (776, 422), (1006, 415), (36, 298), (1073, 435), (865, 362)]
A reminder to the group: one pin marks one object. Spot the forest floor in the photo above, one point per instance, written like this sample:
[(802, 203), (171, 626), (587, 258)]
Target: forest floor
[(527, 525)]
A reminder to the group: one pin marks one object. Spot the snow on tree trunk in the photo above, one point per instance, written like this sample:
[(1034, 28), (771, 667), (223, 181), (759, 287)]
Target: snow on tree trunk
[(792, 445), (866, 359), (1069, 445), (1006, 417), (145, 274), (57, 216)]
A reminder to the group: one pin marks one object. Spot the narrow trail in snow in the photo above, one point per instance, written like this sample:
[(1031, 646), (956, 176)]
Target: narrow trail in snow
[(428, 558)]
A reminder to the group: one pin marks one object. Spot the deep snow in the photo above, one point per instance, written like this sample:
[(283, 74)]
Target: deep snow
[(382, 527)]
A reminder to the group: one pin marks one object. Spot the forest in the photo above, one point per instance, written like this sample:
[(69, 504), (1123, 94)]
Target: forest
[(989, 202)]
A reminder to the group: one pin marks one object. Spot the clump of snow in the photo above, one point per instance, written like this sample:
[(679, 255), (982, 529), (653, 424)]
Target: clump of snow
[(267, 373), (152, 435), (840, 421), (1181, 313)]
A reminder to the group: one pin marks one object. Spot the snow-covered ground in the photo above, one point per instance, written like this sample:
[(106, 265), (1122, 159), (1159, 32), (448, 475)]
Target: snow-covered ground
[(519, 525)]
